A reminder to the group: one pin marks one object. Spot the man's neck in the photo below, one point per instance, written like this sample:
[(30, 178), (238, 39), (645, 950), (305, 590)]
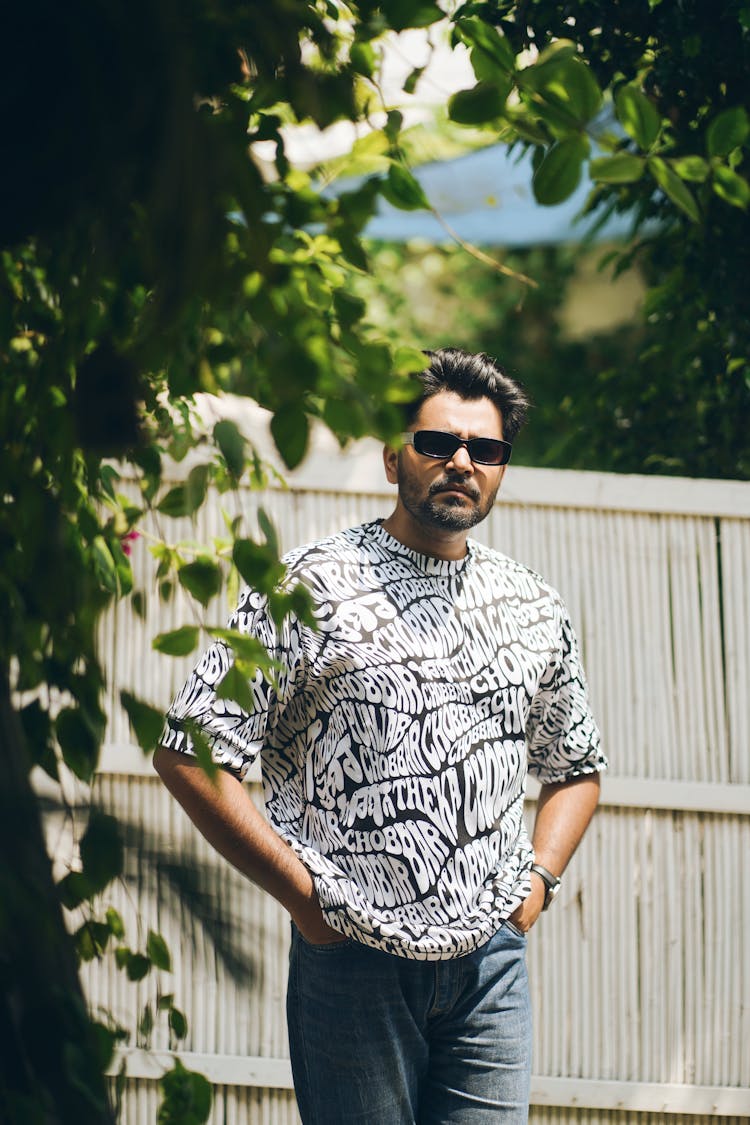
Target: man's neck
[(439, 543)]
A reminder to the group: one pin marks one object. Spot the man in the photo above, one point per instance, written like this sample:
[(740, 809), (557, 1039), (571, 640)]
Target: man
[(394, 750)]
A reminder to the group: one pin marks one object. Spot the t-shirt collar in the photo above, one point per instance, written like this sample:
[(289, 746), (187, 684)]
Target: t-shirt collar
[(426, 564)]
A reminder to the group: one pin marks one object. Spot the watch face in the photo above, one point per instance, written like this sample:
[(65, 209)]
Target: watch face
[(551, 894)]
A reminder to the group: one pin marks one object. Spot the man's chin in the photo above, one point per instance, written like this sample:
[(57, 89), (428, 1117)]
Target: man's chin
[(452, 514)]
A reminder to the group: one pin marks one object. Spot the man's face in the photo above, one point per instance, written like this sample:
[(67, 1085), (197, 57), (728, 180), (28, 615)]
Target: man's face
[(455, 494)]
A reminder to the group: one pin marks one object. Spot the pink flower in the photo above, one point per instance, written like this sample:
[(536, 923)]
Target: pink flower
[(127, 540)]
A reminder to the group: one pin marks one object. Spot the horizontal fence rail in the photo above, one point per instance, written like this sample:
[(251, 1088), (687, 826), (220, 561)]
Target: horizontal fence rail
[(234, 1070), (617, 792)]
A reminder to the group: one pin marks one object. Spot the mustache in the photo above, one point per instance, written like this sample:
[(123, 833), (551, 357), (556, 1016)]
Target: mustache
[(469, 489)]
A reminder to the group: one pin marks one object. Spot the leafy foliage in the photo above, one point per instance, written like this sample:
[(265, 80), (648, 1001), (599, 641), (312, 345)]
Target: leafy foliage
[(187, 1097), (151, 248), (149, 251), (443, 294), (652, 98)]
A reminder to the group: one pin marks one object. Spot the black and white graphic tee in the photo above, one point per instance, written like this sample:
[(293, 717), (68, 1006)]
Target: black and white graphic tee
[(395, 744)]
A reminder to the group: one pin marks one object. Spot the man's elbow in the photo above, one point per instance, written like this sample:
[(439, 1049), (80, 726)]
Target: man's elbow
[(165, 762), (591, 791), (596, 784)]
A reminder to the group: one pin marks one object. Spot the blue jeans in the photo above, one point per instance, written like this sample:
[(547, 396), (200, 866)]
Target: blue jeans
[(381, 1040)]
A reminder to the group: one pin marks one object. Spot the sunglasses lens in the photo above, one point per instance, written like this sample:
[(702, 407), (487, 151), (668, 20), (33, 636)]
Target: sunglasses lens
[(433, 443), (487, 451)]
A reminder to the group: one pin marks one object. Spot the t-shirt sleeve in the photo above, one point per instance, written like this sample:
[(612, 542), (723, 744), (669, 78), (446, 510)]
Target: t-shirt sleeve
[(235, 735), (562, 737)]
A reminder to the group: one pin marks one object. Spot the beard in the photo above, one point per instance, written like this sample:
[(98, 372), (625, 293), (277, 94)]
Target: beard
[(442, 512)]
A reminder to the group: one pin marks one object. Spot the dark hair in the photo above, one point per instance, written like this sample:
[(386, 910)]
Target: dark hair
[(472, 376)]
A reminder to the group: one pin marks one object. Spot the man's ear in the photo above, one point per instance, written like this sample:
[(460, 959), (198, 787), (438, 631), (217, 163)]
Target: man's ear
[(390, 460)]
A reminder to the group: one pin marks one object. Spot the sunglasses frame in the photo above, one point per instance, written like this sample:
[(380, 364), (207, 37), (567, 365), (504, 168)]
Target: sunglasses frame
[(412, 438)]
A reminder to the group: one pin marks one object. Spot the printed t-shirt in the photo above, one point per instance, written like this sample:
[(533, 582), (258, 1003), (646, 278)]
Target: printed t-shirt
[(395, 741)]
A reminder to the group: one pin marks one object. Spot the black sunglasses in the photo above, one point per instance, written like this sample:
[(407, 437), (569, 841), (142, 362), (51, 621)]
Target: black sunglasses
[(442, 446)]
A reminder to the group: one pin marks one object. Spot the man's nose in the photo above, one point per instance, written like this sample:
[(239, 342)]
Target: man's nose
[(461, 461)]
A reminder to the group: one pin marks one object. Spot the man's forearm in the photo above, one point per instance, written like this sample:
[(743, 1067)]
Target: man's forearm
[(224, 813), (562, 816)]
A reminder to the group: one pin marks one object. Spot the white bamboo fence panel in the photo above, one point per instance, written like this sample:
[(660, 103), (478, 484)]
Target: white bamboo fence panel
[(641, 972)]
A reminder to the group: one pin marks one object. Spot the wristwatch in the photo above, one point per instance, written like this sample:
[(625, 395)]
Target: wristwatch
[(551, 882)]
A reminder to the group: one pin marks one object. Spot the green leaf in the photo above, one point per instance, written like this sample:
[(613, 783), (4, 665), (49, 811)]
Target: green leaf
[(555, 51), (406, 361), (403, 14), (266, 526), (178, 642), (137, 966), (245, 647), (567, 94), (368, 154), (731, 187), (559, 173), (73, 889), (392, 127), (101, 934), (403, 190), (290, 429), (115, 922), (232, 445), (123, 569), (85, 945), (491, 51), (233, 685), (184, 499), (637, 115), (484, 102), (146, 722), (622, 168), (526, 126), (257, 564), (196, 486), (581, 88), (177, 1023), (175, 502), (727, 131), (38, 732), (101, 850), (148, 457), (78, 741), (187, 1097), (673, 187), (109, 477), (363, 59), (146, 1022), (349, 309), (412, 79), (158, 952), (122, 956), (101, 858), (202, 748), (201, 578), (693, 168), (300, 603), (105, 567), (104, 1039)]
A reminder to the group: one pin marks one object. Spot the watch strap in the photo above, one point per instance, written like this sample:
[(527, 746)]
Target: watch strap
[(551, 882)]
